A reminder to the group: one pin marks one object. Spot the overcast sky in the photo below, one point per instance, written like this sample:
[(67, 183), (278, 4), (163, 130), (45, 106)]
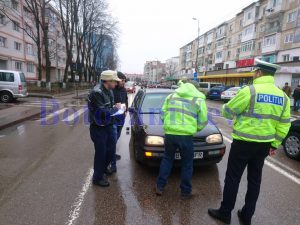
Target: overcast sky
[(156, 29)]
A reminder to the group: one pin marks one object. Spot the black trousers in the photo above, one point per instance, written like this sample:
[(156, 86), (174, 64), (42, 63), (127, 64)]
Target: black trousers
[(244, 154)]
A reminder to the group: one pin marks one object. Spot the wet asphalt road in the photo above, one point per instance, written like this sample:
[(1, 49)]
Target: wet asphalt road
[(45, 179)]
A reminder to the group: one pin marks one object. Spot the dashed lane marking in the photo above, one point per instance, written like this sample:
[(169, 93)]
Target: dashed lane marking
[(76, 207), (51, 115), (73, 116), (278, 169)]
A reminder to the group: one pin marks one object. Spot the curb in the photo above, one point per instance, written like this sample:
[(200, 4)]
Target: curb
[(18, 121), (39, 95)]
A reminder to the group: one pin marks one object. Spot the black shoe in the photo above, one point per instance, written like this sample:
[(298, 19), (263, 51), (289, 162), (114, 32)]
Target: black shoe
[(242, 219), (215, 213), (101, 183), (108, 171), (113, 170), (118, 157), (186, 196), (158, 191)]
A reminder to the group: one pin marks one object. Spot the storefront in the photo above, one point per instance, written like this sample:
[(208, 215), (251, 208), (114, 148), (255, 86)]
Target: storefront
[(239, 79)]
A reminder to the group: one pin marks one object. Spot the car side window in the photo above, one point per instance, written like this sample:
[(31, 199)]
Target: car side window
[(7, 77), (137, 99)]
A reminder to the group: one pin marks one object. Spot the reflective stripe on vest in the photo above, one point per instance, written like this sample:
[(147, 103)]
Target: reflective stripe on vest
[(255, 137), (183, 111)]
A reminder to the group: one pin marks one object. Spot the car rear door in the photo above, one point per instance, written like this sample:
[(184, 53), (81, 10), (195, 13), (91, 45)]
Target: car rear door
[(23, 88)]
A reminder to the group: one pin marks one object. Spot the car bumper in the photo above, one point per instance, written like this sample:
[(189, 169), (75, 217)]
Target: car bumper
[(212, 154), (23, 95)]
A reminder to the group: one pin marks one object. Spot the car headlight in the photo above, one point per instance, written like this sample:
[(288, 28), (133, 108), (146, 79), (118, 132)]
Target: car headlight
[(155, 140), (214, 139)]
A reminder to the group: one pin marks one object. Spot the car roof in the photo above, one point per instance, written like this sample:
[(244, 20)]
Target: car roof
[(158, 90), (11, 71)]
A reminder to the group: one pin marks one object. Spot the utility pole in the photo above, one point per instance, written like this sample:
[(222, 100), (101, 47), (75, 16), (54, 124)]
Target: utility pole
[(198, 42)]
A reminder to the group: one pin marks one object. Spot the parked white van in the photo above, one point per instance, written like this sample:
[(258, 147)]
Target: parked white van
[(12, 85), (205, 87)]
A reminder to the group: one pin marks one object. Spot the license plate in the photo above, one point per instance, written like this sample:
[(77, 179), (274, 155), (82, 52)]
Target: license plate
[(214, 93), (197, 155)]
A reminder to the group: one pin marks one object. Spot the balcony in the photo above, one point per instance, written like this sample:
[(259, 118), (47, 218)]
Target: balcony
[(272, 30)]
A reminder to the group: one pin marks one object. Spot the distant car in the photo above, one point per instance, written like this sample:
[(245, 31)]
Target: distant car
[(148, 136), (205, 87), (229, 94), (215, 92), (291, 143), (173, 87), (130, 87), (12, 85)]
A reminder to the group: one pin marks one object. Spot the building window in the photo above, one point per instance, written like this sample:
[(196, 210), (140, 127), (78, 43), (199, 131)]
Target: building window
[(270, 41), (15, 4), (219, 55), (2, 41), (30, 67), (2, 19), (286, 58), (247, 46), (18, 65), (292, 17), (241, 23), (248, 30), (274, 3), (289, 38), (28, 30), (249, 15), (29, 48), (27, 12), (16, 26), (228, 54), (17, 46)]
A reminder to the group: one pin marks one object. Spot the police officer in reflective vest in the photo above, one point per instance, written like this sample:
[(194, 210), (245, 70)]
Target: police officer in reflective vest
[(184, 114), (261, 114)]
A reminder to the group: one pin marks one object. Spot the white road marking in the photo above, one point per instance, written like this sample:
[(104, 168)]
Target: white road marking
[(276, 168), (73, 116), (52, 115), (2, 136), (76, 207)]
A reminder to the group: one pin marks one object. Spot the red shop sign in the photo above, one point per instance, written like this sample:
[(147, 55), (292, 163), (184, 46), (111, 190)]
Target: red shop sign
[(245, 63)]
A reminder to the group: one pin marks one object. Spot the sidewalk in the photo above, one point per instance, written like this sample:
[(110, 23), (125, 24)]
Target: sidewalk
[(17, 114), (44, 95)]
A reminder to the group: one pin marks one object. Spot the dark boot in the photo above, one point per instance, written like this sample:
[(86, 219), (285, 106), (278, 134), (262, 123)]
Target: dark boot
[(101, 183), (242, 218), (215, 213)]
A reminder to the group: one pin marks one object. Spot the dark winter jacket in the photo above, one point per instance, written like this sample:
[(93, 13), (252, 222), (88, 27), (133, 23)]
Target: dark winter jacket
[(296, 94), (101, 106), (120, 96)]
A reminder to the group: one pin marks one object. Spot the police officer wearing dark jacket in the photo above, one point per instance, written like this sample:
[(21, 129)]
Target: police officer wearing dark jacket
[(101, 108), (120, 96)]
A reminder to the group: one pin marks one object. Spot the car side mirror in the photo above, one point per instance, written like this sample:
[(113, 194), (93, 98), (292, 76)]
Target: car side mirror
[(132, 110)]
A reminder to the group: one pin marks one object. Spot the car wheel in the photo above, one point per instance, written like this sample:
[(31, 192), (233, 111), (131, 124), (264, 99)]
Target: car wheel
[(292, 145), (6, 97)]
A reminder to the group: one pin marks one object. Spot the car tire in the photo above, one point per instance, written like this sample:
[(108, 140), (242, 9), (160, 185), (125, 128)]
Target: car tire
[(225, 101), (6, 97), (291, 145), (136, 152)]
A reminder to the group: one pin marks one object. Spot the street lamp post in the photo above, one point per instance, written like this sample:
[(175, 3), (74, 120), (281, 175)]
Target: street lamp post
[(198, 42)]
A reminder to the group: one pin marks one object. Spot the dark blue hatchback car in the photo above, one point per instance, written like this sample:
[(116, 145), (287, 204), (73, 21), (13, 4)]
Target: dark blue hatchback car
[(215, 92)]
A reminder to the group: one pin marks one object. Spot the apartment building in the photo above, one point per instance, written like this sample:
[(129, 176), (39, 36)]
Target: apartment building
[(18, 51), (172, 68), (186, 59), (154, 71), (266, 29)]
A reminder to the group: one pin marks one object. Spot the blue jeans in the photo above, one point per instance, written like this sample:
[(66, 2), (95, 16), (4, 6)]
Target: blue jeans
[(296, 104), (104, 148), (186, 148), (116, 133)]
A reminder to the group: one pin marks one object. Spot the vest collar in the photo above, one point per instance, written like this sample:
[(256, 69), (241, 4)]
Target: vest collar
[(264, 80)]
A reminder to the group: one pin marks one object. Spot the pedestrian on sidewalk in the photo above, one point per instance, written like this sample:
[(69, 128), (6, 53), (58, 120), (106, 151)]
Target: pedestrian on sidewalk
[(262, 120), (296, 96), (184, 114), (287, 89), (120, 96), (101, 108)]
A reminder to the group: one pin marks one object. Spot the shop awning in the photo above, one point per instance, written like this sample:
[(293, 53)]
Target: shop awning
[(237, 75)]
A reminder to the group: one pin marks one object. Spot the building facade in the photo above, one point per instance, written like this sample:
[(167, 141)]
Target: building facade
[(154, 71), (265, 29)]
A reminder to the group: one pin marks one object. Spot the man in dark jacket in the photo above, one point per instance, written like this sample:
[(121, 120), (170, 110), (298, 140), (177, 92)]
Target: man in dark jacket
[(296, 97), (101, 108), (120, 96)]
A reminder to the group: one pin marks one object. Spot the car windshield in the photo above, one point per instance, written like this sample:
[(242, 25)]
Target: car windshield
[(153, 103), (218, 88)]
